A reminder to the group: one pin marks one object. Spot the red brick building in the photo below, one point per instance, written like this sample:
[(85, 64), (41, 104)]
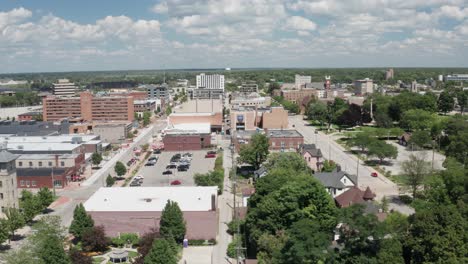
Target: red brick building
[(285, 140), (30, 116), (185, 142)]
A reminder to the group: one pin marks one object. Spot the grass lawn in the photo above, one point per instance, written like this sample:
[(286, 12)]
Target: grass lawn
[(98, 260), (132, 254)]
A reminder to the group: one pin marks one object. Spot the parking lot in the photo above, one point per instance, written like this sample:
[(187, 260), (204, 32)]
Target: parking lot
[(153, 175)]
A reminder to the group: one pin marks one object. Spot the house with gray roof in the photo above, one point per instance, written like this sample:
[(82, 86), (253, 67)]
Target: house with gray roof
[(337, 181), (312, 155)]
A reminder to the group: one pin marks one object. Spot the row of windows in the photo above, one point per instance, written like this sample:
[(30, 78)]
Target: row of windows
[(26, 183), (2, 195), (39, 164), (1, 183)]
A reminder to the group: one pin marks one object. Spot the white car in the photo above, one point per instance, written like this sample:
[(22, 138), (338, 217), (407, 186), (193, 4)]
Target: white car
[(138, 177)]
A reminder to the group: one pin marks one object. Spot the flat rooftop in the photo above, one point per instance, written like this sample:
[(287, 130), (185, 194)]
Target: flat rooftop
[(273, 133), (140, 199), (46, 156), (47, 139), (192, 128), (200, 106), (29, 146)]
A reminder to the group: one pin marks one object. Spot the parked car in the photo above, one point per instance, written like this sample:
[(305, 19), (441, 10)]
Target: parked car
[(157, 151), (374, 174), (135, 184), (153, 158), (174, 159), (167, 172), (210, 155), (176, 182), (211, 152), (150, 163), (187, 154), (182, 168), (171, 166), (139, 177)]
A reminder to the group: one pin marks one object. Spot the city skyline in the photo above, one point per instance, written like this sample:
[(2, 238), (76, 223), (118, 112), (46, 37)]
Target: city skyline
[(54, 36)]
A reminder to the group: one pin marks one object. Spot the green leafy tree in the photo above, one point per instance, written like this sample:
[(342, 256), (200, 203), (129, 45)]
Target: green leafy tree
[(417, 119), (286, 160), (120, 169), (382, 119), (46, 197), (420, 138), (446, 102), (51, 251), (110, 181), (94, 239), (256, 152), (457, 131), (317, 111), (382, 150), (329, 166), (77, 257), (362, 140), (415, 171), (96, 158), (212, 178), (306, 243), (81, 222), (273, 86), (172, 223), (269, 247), (30, 205), (146, 118), (15, 220), (4, 230), (168, 110), (162, 252), (462, 100)]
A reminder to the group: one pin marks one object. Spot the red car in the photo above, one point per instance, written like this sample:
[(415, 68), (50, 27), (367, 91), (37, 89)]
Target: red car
[(176, 182), (374, 174), (210, 155)]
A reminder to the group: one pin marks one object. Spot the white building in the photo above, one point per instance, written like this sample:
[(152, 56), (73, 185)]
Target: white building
[(213, 81), (64, 88), (301, 80), (8, 182), (365, 86)]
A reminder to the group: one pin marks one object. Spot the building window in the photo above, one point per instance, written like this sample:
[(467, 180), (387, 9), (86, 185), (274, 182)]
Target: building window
[(309, 159), (30, 164), (33, 183), (1, 184), (344, 180), (1, 196), (12, 182), (27, 183), (21, 183), (62, 163), (57, 183), (50, 163), (20, 164), (40, 164)]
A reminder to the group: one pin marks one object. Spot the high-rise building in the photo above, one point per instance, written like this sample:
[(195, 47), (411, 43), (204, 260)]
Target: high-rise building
[(363, 87), (414, 87), (248, 87), (301, 80), (64, 87), (8, 184), (327, 84), (89, 108), (158, 92), (389, 74), (213, 81), (457, 78)]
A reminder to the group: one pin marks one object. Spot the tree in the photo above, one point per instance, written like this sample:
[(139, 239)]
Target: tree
[(96, 158), (46, 197), (51, 251), (162, 252), (306, 243), (15, 219), (382, 150), (286, 160), (146, 118), (273, 86), (329, 166), (77, 257), (172, 223), (437, 235), (81, 222), (415, 171), (168, 110), (4, 230), (416, 119), (158, 109), (446, 102), (382, 119), (256, 152), (361, 140), (457, 131), (462, 100), (30, 205), (269, 247), (351, 116), (317, 111), (145, 147), (94, 239), (145, 244), (212, 178), (120, 169), (110, 181), (420, 138)]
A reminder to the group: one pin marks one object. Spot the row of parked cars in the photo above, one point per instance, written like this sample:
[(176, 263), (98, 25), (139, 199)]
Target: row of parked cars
[(181, 162)]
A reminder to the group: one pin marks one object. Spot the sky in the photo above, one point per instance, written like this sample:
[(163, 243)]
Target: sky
[(88, 35)]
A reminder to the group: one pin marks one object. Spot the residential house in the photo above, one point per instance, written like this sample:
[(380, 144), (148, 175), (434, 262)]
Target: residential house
[(312, 155), (354, 195), (337, 181)]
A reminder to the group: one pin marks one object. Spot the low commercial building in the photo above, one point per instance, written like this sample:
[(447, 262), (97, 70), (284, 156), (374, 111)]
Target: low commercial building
[(285, 140), (251, 101), (144, 105), (33, 128), (30, 116), (214, 119), (266, 118), (138, 210), (158, 92), (8, 187), (203, 93), (187, 137)]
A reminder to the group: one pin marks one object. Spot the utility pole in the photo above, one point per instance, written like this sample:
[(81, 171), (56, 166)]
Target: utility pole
[(234, 188)]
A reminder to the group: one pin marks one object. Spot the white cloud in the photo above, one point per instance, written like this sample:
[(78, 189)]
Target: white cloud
[(13, 16), (454, 12), (160, 8), (300, 24)]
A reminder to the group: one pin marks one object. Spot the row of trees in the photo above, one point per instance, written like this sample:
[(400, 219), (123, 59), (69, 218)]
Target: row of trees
[(212, 178), (290, 106), (20, 99), (372, 146)]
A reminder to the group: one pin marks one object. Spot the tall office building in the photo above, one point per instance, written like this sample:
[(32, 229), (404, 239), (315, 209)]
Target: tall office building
[(8, 184), (301, 80), (389, 74), (213, 81), (363, 87), (89, 108), (64, 87)]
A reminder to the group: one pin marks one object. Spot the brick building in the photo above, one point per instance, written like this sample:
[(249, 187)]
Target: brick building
[(266, 118), (296, 96), (186, 137), (285, 140), (276, 118), (138, 210), (88, 107), (30, 116)]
